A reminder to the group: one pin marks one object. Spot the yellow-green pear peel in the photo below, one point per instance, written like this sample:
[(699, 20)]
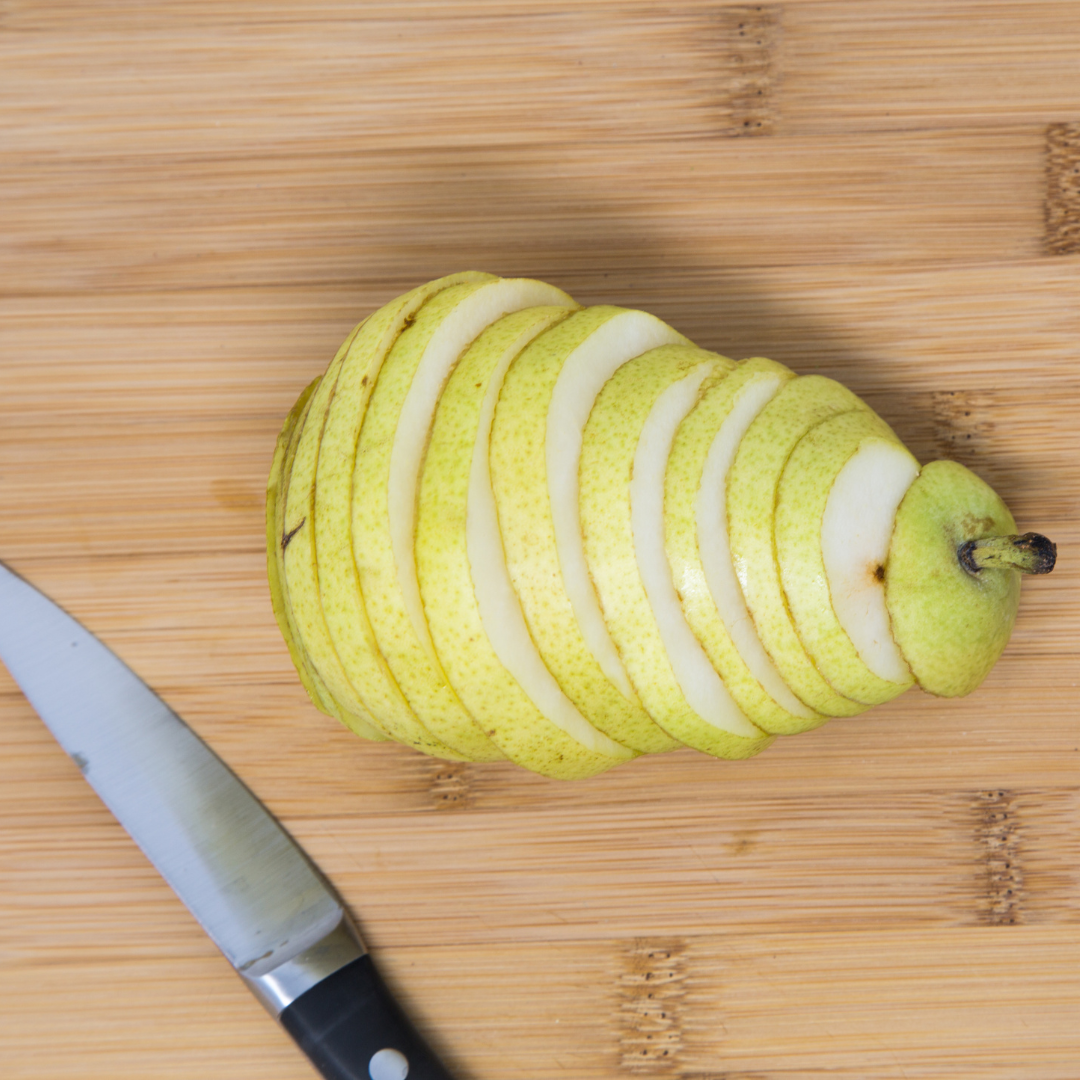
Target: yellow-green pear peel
[(951, 624), (624, 452), (751, 503), (280, 474), (275, 485), (459, 562), (696, 539), (535, 446), (806, 488), (389, 456), (339, 586)]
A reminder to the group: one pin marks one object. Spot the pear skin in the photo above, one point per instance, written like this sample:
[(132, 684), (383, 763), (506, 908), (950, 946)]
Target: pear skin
[(951, 623), (277, 540)]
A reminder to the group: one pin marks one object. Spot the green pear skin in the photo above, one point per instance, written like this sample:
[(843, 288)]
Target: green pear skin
[(951, 625), (280, 471)]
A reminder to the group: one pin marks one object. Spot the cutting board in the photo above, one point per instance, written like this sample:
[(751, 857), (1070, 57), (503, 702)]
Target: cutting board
[(198, 201)]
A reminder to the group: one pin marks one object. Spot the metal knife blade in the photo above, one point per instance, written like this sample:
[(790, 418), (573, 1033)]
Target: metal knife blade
[(260, 899)]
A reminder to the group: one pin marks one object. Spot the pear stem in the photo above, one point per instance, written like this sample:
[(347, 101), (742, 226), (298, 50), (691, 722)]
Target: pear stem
[(1030, 554)]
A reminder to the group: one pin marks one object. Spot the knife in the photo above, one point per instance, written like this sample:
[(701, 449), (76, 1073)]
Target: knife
[(265, 905)]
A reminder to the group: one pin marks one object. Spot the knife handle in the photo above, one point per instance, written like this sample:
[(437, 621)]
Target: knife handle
[(352, 1029)]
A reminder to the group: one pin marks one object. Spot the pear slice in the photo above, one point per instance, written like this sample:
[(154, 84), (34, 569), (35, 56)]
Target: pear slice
[(696, 540), (751, 501), (389, 456), (953, 608), (349, 631), (835, 509), (277, 541), (314, 514), (476, 622), (286, 443), (624, 454), (543, 406)]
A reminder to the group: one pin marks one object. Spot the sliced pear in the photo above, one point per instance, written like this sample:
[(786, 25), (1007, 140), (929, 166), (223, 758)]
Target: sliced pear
[(835, 509), (388, 460), (277, 541), (623, 458), (696, 540), (274, 488), (535, 449), (339, 587), (476, 622), (952, 623), (751, 501)]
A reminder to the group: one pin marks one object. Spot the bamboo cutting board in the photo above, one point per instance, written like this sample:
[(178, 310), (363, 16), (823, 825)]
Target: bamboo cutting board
[(199, 199)]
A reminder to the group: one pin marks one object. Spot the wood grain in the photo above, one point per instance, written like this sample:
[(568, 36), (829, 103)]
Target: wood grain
[(197, 202)]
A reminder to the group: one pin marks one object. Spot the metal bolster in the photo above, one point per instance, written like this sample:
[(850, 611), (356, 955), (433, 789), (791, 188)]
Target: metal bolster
[(281, 986)]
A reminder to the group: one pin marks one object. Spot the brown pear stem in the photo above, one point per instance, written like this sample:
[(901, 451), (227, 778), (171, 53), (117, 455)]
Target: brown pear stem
[(1030, 554)]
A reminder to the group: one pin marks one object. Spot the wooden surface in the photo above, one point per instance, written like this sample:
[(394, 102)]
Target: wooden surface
[(197, 201)]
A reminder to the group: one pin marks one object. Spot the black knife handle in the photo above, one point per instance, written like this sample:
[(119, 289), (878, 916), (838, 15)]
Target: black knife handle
[(352, 1029)]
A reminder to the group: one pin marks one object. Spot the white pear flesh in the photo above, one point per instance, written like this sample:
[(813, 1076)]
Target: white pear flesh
[(504, 622), (624, 456), (340, 593), (752, 485), (855, 532), (393, 438), (536, 436), (475, 620)]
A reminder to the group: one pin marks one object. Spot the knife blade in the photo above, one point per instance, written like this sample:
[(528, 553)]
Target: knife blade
[(266, 906)]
